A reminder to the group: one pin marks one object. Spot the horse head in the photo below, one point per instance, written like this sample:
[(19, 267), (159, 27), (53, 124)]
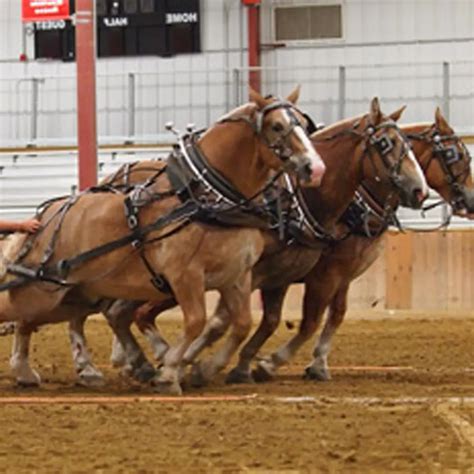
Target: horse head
[(389, 158), (282, 129), (447, 164)]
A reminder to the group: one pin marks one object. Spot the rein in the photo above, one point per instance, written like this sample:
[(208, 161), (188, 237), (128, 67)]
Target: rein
[(214, 205), (360, 212)]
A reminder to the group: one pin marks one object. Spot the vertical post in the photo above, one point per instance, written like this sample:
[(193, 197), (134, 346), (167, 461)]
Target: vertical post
[(208, 93), (131, 106), (86, 92), (446, 87), (34, 110), (236, 80), (341, 106), (446, 90), (253, 27)]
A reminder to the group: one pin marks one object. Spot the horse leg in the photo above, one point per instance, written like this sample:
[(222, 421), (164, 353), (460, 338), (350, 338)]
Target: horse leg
[(190, 296), (236, 300), (118, 355), (6, 329), (314, 303), (17, 306), (144, 318), (319, 370), (272, 305), (89, 375), (19, 360), (119, 316), (215, 328)]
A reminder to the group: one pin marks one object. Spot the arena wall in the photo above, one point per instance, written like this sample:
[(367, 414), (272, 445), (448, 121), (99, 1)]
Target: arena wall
[(392, 49)]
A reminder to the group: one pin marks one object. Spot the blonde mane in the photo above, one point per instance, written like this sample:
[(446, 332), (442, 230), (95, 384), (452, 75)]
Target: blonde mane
[(245, 109), (336, 127)]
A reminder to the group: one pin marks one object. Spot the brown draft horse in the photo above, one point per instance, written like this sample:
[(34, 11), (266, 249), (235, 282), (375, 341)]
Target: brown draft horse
[(261, 136), (350, 150), (446, 164)]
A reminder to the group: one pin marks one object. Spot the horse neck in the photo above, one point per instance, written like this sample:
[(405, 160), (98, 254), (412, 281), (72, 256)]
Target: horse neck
[(233, 150), (343, 160)]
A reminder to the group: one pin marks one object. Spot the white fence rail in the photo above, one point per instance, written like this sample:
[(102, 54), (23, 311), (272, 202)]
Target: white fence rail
[(29, 178), (134, 107)]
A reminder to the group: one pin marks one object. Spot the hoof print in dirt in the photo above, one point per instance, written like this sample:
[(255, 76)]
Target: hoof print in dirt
[(317, 375), (238, 376)]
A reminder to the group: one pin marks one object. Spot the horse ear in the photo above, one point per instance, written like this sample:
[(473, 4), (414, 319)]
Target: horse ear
[(294, 95), (375, 114), (395, 116), (441, 122), (257, 98)]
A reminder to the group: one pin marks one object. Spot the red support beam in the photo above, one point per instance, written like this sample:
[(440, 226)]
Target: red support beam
[(253, 27), (86, 92)]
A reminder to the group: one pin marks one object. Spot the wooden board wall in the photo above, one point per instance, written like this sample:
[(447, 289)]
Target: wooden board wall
[(417, 271)]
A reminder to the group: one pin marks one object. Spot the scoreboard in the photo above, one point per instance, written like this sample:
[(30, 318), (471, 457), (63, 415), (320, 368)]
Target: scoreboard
[(127, 28)]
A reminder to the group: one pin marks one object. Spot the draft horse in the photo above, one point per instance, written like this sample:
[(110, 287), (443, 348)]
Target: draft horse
[(166, 234), (446, 163), (365, 147)]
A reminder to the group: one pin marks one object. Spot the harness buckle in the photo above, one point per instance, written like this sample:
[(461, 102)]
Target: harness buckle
[(161, 284), (136, 244), (132, 221)]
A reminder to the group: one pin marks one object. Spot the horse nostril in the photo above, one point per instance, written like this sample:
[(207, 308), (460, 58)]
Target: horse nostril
[(419, 195)]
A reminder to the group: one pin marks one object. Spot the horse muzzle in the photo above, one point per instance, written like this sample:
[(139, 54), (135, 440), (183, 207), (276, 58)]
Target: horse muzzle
[(309, 172), (412, 196), (464, 207)]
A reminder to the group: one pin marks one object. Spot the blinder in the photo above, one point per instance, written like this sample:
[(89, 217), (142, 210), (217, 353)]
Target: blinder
[(448, 154), (383, 144), (279, 146)]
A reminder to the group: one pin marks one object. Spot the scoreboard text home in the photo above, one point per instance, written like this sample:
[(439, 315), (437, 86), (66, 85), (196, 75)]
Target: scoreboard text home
[(127, 28)]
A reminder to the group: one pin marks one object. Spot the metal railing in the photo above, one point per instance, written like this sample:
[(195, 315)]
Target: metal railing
[(134, 107)]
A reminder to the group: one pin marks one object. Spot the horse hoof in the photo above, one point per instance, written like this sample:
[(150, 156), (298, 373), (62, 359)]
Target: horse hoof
[(316, 374), (262, 374), (238, 376), (117, 362), (197, 379), (91, 377), (144, 373), (166, 387), (27, 384), (30, 378), (33, 380)]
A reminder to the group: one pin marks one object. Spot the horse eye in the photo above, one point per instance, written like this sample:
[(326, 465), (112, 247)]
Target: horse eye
[(277, 127)]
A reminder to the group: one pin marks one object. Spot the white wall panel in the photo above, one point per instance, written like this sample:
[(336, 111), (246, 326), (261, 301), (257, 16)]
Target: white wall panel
[(197, 87)]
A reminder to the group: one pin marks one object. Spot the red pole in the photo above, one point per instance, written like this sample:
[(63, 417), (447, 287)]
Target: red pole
[(253, 27), (86, 93)]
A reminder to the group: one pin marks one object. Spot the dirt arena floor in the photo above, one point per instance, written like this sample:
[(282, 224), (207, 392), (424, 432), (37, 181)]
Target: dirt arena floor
[(414, 413)]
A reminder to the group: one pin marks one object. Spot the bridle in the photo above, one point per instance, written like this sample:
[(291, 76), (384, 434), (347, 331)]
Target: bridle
[(447, 156), (383, 145), (279, 146)]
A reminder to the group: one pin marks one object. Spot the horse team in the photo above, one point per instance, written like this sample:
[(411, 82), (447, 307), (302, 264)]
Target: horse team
[(255, 202)]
